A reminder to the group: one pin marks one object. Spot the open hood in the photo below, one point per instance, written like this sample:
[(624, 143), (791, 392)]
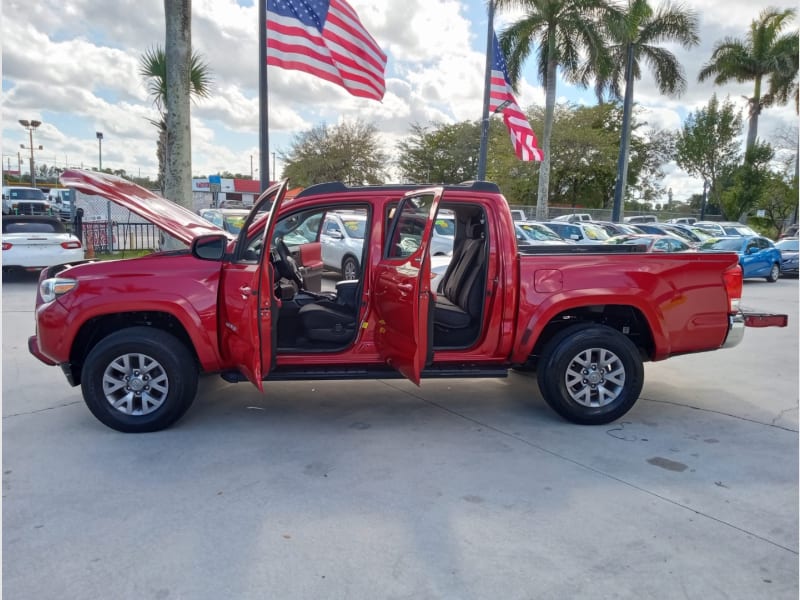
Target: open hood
[(175, 220)]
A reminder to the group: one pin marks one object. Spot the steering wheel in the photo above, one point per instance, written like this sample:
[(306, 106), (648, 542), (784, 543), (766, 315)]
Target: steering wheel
[(287, 265)]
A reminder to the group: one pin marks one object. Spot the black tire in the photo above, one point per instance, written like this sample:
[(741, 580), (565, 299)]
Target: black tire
[(774, 273), (350, 268), (159, 374), (592, 396)]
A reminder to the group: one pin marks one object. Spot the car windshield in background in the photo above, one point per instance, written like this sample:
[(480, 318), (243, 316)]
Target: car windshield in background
[(355, 227), (233, 223), (540, 233), (594, 232), (734, 244), (787, 245), (25, 194)]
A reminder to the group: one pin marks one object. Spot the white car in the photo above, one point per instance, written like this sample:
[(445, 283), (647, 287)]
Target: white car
[(531, 233), (342, 239), (32, 243)]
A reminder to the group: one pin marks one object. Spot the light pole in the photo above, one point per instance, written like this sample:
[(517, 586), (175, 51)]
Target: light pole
[(30, 126), (100, 149)]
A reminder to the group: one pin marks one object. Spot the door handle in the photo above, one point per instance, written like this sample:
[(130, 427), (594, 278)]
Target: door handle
[(246, 290), (406, 287)]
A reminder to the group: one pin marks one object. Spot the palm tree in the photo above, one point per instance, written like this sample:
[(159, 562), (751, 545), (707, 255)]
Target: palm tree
[(153, 68), (765, 54), (562, 32), (634, 37)]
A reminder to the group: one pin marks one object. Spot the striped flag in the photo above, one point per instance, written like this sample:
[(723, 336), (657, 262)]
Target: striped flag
[(325, 38), (502, 99)]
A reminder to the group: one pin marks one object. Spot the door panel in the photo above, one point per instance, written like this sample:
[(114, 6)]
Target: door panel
[(248, 301), (402, 285)]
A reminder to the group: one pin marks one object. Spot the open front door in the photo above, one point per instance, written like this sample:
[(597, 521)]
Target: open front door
[(401, 288), (247, 300)]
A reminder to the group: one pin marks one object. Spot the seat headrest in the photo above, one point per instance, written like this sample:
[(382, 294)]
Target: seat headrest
[(475, 230)]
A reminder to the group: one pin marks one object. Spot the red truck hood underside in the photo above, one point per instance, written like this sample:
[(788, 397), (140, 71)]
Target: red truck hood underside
[(175, 220)]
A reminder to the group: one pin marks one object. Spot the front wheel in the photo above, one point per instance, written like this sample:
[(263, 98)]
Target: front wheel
[(774, 273), (139, 379), (590, 374)]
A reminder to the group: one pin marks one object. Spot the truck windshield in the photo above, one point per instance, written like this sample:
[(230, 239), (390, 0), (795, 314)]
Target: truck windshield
[(25, 194)]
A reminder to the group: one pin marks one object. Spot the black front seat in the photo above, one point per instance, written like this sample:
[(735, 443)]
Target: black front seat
[(331, 320)]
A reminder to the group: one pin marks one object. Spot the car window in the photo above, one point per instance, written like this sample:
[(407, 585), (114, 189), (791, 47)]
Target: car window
[(445, 226), (27, 227), (355, 228), (788, 245), (593, 232), (409, 226), (25, 194)]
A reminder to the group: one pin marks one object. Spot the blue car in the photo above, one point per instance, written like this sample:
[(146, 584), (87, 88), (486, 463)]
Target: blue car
[(758, 256)]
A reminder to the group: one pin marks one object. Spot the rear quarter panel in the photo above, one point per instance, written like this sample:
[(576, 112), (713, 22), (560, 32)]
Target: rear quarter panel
[(682, 296)]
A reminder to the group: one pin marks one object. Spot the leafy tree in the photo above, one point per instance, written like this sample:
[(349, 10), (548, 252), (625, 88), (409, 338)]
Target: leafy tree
[(153, 68), (635, 35), (708, 146), (748, 182), (440, 153), (778, 201), (566, 35), (764, 54), (349, 152)]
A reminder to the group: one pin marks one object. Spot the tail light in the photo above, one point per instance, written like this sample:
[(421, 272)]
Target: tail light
[(74, 245), (6, 246), (733, 286)]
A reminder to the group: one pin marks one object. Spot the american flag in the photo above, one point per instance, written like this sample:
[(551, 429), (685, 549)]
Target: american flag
[(325, 38), (502, 99)]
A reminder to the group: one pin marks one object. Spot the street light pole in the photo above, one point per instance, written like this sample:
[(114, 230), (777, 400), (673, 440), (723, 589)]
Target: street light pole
[(100, 149), (30, 126)]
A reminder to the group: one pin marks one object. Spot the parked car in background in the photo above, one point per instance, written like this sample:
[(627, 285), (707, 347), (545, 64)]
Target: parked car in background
[(531, 232), (342, 238), (652, 242), (444, 228), (582, 233), (725, 228), (229, 219), (682, 221), (636, 219), (691, 232), (518, 214), (790, 231), (574, 217), (34, 242), (19, 200), (687, 235), (788, 247), (758, 256), (613, 229)]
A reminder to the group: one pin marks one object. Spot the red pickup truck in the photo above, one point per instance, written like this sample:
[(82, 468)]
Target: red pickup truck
[(136, 334)]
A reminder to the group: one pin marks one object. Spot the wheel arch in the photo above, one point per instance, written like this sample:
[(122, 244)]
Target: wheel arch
[(97, 328), (628, 320)]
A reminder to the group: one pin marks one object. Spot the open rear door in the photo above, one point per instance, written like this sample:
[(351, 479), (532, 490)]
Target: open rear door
[(401, 288), (248, 302)]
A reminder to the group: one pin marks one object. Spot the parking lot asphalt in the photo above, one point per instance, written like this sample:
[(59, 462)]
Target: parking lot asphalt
[(457, 489)]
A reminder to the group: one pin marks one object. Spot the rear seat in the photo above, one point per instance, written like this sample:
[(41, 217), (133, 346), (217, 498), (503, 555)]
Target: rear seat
[(459, 300)]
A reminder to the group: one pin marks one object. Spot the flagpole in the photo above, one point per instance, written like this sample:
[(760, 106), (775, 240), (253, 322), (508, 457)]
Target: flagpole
[(487, 84), (263, 108)]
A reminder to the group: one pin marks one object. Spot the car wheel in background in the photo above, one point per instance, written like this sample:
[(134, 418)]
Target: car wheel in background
[(139, 379), (774, 273), (350, 268)]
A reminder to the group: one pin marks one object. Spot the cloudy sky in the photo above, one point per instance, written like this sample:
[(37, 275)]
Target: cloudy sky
[(73, 64)]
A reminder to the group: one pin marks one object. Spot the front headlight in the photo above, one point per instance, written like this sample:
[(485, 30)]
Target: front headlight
[(52, 288)]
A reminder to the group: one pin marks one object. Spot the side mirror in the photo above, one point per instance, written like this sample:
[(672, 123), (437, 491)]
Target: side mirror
[(751, 250), (575, 237), (209, 247), (337, 235)]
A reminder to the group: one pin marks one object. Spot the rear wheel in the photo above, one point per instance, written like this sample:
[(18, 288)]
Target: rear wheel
[(774, 273), (590, 374), (139, 379), (350, 268)]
